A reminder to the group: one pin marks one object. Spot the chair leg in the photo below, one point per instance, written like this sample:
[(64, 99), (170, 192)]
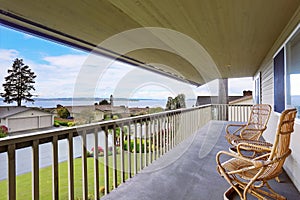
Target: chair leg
[(259, 193)]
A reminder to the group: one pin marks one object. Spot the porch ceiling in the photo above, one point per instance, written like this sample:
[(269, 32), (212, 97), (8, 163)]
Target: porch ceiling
[(234, 35)]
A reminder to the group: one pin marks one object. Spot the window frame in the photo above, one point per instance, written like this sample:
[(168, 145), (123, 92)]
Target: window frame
[(285, 47)]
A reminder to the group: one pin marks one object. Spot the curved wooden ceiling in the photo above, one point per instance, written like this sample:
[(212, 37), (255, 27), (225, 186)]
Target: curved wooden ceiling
[(233, 36)]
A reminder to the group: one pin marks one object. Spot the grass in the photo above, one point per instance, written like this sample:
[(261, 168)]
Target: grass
[(24, 181)]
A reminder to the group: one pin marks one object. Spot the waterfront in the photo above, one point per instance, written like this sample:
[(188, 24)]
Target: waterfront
[(142, 103)]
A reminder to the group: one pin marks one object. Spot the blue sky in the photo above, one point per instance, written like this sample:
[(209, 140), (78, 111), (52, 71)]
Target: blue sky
[(59, 68)]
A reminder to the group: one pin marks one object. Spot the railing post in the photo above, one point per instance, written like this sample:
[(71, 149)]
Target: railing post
[(129, 150), (122, 131), (135, 148), (96, 165), (84, 166), (55, 189), (141, 145), (114, 154), (106, 167), (11, 152), (70, 167), (35, 169)]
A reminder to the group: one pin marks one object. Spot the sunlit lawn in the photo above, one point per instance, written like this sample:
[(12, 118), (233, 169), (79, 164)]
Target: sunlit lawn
[(24, 181)]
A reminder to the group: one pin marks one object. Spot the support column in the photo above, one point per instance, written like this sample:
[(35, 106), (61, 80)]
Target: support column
[(223, 98)]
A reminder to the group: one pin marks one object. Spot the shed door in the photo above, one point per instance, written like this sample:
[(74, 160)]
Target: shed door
[(46, 121), (19, 124)]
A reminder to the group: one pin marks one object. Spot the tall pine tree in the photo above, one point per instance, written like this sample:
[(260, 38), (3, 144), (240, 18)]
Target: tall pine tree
[(18, 83)]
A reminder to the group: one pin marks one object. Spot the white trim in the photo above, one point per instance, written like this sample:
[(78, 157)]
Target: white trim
[(284, 45), (287, 40)]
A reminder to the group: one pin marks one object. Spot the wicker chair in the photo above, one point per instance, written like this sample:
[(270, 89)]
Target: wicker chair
[(253, 129), (250, 175)]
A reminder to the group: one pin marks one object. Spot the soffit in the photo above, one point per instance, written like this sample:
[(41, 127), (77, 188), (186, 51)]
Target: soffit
[(234, 36)]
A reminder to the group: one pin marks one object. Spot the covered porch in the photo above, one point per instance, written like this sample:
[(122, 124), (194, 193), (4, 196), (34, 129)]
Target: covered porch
[(189, 172)]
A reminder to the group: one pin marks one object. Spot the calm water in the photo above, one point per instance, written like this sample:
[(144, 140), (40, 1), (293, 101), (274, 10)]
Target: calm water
[(51, 103)]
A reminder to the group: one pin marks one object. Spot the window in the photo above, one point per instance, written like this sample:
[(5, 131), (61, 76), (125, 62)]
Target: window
[(287, 74), (293, 72), (257, 91), (279, 101)]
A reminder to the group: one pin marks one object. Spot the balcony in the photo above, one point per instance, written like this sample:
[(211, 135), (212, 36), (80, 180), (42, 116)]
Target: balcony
[(175, 161)]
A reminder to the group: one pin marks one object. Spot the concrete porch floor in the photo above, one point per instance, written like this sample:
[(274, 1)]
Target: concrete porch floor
[(189, 172)]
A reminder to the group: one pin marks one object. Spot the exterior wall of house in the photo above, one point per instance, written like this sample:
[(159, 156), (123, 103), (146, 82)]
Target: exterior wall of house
[(292, 164)]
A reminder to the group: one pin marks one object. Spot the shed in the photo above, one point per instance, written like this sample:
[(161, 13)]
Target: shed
[(24, 118)]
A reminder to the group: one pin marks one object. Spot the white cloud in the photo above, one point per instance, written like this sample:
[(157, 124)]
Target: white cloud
[(8, 55), (238, 85), (57, 76)]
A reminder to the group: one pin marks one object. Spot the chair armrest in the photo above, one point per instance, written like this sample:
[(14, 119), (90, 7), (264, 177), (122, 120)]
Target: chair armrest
[(234, 125), (253, 145), (255, 163)]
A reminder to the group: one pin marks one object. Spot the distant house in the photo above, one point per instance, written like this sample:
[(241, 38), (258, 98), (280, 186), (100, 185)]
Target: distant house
[(233, 100), (86, 112), (24, 118), (246, 99)]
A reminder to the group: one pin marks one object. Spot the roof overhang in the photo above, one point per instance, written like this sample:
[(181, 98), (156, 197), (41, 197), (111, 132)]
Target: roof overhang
[(195, 41)]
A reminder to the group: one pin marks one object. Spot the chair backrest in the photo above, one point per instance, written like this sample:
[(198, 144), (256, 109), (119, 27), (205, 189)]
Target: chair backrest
[(285, 128), (281, 146), (257, 122)]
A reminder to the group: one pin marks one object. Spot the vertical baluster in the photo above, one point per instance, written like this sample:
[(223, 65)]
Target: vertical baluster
[(84, 166), (106, 167), (35, 169), (122, 152), (149, 124), (55, 189), (70, 167), (11, 153), (141, 145), (173, 130), (168, 131), (115, 177), (96, 165), (159, 137), (146, 147), (156, 139), (129, 150), (135, 148)]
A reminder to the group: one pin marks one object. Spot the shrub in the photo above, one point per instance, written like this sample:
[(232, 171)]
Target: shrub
[(3, 131), (100, 149), (102, 189), (63, 112), (56, 124), (115, 117), (137, 146), (71, 124)]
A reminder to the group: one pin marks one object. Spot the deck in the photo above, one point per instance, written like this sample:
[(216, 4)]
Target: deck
[(189, 172)]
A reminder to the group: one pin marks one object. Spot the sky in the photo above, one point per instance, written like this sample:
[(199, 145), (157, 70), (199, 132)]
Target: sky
[(66, 72)]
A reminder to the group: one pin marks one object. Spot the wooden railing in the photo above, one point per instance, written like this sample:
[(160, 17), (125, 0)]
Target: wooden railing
[(128, 145), (238, 113)]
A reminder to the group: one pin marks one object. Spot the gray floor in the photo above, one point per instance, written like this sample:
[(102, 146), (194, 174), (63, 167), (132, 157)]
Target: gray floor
[(189, 172)]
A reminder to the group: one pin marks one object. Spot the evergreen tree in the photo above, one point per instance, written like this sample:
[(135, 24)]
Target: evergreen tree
[(18, 83)]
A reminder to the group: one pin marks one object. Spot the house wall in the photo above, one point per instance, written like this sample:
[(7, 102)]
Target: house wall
[(292, 164)]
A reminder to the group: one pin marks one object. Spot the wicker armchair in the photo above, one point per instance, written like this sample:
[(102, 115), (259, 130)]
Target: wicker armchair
[(253, 129), (251, 175)]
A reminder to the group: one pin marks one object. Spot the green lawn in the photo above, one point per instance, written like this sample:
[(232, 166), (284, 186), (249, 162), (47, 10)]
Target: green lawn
[(24, 181)]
